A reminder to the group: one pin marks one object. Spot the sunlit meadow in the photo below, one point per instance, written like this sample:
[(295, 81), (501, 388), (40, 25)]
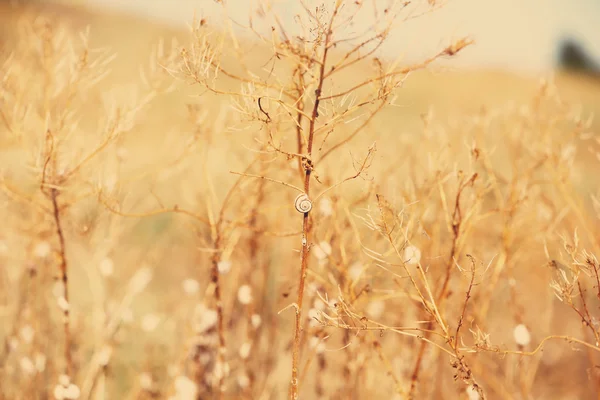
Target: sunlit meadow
[(288, 214)]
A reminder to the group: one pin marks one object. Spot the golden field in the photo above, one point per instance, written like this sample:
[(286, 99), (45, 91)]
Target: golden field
[(151, 246)]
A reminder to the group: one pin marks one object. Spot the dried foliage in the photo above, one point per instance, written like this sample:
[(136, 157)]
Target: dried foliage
[(278, 235)]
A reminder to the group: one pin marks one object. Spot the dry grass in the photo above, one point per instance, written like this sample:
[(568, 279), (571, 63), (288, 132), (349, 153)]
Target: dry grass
[(151, 247)]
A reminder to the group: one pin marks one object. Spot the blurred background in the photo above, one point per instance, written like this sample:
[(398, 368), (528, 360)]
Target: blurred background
[(529, 36)]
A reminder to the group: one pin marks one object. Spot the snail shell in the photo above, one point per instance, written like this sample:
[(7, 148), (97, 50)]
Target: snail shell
[(303, 203)]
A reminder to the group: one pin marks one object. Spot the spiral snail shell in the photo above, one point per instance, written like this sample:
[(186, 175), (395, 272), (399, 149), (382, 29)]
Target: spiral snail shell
[(303, 203)]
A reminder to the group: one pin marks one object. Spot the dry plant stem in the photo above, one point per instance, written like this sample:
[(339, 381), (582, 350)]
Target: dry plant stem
[(456, 223), (449, 51), (457, 219), (586, 317), (270, 180), (218, 230), (300, 102), (464, 310), (175, 209), (305, 218), (298, 321), (214, 275), (64, 279), (540, 346)]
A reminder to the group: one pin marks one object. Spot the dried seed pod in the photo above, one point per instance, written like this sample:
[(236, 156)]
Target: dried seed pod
[(303, 203)]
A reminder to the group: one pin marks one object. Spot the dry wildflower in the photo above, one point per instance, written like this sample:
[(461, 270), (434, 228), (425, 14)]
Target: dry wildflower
[(63, 304), (71, 392), (104, 355), (244, 294), (317, 344), (319, 304), (140, 280), (322, 251), (244, 351), (185, 388), (40, 362), (27, 366), (221, 370), (191, 286), (58, 392), (64, 380), (66, 390), (243, 381), (205, 359), (473, 393), (106, 267), (375, 309), (42, 250), (521, 335), (326, 207), (205, 318), (482, 339), (255, 320), (58, 290), (146, 381), (564, 284), (355, 271), (412, 255), (150, 322), (224, 266), (27, 333), (312, 289), (457, 46)]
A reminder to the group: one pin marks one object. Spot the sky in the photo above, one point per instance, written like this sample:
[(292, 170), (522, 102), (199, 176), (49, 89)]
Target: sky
[(509, 34)]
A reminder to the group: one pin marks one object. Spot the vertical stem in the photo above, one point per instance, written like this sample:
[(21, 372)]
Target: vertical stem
[(214, 275), (298, 322), (305, 219), (64, 278)]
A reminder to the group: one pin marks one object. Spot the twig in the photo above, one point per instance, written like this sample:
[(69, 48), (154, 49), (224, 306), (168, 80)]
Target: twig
[(268, 179), (262, 110)]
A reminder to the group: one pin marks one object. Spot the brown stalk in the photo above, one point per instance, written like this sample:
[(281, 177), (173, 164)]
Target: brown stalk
[(586, 317), (214, 278), (464, 310), (64, 279), (294, 384)]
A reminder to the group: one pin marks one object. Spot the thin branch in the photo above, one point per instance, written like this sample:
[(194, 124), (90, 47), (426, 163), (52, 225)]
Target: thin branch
[(174, 209), (268, 179)]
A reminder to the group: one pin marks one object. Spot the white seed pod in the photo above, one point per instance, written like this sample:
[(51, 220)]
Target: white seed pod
[(303, 203)]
